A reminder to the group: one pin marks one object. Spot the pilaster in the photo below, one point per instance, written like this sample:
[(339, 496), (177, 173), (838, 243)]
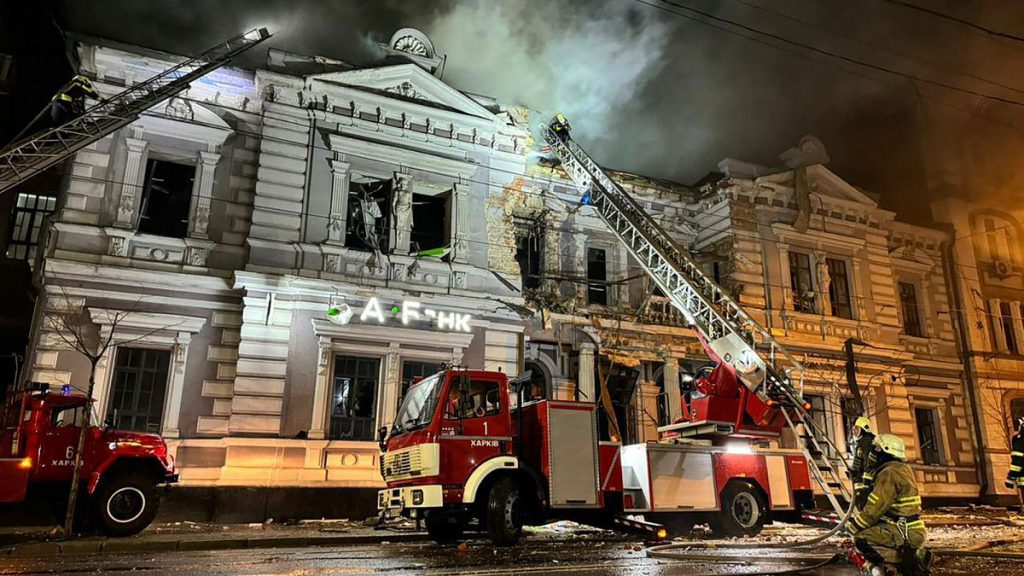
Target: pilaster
[(202, 193), (341, 178), (134, 179), (460, 232), (401, 232), (317, 427), (670, 378), (172, 411), (585, 378)]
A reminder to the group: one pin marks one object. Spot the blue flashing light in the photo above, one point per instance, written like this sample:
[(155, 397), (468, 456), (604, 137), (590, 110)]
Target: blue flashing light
[(585, 200), (65, 390)]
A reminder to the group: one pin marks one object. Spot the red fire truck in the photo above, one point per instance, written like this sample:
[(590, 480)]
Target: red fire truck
[(120, 470), (460, 453), (464, 451)]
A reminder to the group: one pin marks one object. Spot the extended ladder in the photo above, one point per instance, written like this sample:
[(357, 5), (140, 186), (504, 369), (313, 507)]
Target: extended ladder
[(761, 363), (30, 156)]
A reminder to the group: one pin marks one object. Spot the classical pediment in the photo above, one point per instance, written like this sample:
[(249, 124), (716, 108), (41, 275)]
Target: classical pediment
[(823, 182), (408, 82)]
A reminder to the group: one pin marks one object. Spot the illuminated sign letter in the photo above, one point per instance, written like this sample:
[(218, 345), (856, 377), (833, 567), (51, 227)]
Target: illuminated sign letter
[(445, 320), (462, 322), (410, 310), (372, 309)]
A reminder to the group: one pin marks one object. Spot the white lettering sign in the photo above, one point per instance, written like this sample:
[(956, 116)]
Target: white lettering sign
[(412, 312)]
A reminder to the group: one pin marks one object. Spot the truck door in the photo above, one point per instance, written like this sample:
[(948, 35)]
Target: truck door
[(476, 424), (59, 440)]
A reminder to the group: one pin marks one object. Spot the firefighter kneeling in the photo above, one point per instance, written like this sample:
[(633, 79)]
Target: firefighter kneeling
[(889, 529)]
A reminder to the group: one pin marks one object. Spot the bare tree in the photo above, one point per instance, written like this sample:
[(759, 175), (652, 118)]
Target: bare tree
[(71, 323)]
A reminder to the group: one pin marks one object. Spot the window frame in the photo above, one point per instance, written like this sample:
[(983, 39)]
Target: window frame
[(140, 372), (801, 302), (595, 285), (145, 194), (912, 316), (32, 223), (367, 433), (935, 421), (530, 272), (1004, 322), (833, 287)]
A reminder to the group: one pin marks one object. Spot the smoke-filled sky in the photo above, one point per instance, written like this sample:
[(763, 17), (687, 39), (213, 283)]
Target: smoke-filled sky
[(653, 92)]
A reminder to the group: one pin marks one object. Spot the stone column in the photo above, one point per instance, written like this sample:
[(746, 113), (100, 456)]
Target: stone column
[(341, 177), (784, 281), (387, 403), (172, 412), (460, 223), (670, 377), (202, 194), (585, 378), (131, 183), (321, 390), (401, 214)]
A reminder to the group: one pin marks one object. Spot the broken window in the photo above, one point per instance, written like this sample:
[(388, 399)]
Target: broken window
[(597, 276), (355, 398), (529, 251), (27, 219), (431, 221), (839, 289), (801, 282), (166, 198), (928, 435), (911, 316), (369, 215)]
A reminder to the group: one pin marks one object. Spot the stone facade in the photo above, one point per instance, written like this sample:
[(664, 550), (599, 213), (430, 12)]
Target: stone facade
[(417, 215)]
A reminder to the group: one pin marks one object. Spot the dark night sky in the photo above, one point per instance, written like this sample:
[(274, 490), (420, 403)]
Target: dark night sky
[(658, 94)]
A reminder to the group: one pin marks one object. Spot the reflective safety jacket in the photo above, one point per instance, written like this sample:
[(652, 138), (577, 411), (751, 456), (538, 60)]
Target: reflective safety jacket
[(863, 466), (893, 498), (78, 88), (1015, 476)]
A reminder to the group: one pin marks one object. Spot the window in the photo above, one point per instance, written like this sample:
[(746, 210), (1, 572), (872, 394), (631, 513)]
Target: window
[(68, 417), (137, 397), (801, 282), (537, 387), (27, 219), (369, 215), (1006, 325), (839, 288), (166, 198), (1000, 239), (355, 398), (529, 248), (597, 276), (928, 435), (483, 399), (850, 415), (911, 317), (430, 221), (413, 370)]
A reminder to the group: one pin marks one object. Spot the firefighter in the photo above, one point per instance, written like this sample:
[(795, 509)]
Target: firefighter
[(1015, 476), (70, 101), (863, 466), (560, 126), (889, 531)]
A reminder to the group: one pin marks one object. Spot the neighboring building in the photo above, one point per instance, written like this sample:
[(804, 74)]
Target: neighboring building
[(226, 222), (987, 255)]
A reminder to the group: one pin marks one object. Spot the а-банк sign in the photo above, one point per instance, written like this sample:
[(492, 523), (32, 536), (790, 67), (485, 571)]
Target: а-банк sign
[(410, 311)]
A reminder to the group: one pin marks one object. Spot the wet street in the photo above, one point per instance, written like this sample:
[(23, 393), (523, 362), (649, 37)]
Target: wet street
[(539, 557)]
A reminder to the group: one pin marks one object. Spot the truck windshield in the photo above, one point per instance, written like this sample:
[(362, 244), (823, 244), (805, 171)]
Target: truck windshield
[(418, 405)]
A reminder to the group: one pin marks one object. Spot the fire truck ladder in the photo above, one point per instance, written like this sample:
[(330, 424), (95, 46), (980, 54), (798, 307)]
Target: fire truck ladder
[(730, 332), (30, 156)]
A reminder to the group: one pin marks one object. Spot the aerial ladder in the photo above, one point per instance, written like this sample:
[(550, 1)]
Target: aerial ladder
[(732, 338), (29, 156)]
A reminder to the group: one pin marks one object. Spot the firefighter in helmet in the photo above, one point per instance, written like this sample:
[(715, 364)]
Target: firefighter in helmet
[(70, 101), (863, 466), (1015, 476), (889, 531), (560, 126)]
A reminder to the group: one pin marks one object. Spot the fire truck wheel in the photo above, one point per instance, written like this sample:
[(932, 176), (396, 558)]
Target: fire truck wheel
[(504, 513), (744, 511), (444, 528), (125, 504)]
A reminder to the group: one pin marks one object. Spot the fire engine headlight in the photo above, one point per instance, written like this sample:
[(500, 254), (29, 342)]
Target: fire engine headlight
[(417, 497)]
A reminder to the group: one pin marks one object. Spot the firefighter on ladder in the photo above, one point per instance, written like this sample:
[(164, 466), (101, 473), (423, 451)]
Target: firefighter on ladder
[(863, 467), (888, 531), (1015, 476), (70, 101), (560, 126)]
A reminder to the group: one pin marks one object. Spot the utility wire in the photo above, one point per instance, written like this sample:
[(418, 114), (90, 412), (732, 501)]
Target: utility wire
[(951, 18)]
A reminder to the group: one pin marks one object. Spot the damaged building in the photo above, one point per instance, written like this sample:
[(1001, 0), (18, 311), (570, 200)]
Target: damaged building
[(285, 250)]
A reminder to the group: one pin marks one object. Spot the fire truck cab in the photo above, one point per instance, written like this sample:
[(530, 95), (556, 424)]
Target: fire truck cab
[(120, 470), (466, 450)]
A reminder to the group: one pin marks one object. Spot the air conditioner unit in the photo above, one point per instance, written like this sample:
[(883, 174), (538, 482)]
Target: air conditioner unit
[(1002, 269)]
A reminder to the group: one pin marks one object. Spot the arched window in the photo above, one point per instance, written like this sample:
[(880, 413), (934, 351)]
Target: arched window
[(996, 239), (539, 386)]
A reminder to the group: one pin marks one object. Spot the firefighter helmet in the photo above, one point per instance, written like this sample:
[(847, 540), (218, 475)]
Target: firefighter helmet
[(1020, 424), (892, 445), (863, 423)]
